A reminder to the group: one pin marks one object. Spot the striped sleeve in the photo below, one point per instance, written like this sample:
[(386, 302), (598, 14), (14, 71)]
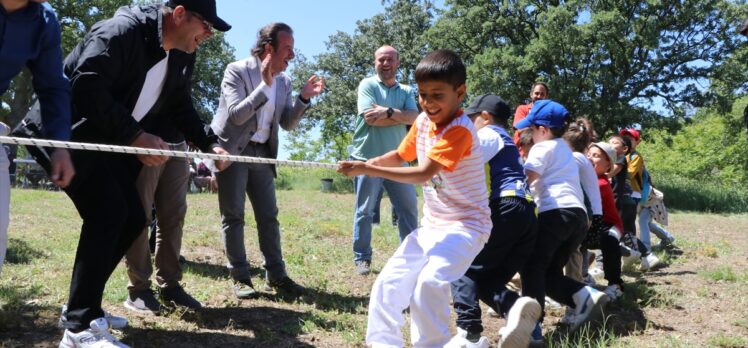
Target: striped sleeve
[(453, 146)]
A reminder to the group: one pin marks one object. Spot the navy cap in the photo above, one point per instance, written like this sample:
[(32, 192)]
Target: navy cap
[(491, 103), (205, 8), (546, 113)]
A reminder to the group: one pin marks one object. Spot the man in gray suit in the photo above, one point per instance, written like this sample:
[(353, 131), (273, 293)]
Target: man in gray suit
[(255, 100)]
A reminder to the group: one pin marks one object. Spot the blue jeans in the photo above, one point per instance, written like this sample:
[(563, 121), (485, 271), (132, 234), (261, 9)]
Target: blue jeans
[(646, 224), (404, 203)]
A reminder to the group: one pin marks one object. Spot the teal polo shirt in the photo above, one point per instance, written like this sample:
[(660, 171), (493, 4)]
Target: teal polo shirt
[(370, 141)]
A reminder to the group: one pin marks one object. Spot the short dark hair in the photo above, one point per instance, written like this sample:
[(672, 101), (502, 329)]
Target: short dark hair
[(540, 83), (442, 65), (625, 140), (269, 35)]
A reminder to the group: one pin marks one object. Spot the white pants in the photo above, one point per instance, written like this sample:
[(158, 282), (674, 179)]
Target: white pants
[(4, 204), (418, 275)]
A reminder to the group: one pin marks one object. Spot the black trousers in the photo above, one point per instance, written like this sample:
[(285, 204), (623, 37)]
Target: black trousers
[(611, 256), (560, 231), (511, 242), (627, 210), (104, 194)]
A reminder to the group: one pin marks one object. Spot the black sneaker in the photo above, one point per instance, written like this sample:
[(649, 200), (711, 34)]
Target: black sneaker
[(363, 267), (244, 289), (143, 301), (179, 297), (285, 286)]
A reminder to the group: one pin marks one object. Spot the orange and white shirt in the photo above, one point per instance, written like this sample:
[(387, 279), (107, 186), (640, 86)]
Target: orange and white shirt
[(456, 197)]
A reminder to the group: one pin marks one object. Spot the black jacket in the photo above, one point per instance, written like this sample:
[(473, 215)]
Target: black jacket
[(107, 71)]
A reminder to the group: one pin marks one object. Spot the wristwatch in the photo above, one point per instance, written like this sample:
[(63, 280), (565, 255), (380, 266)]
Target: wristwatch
[(390, 111)]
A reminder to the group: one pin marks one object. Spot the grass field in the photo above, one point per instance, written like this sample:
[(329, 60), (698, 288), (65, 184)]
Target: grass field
[(698, 299)]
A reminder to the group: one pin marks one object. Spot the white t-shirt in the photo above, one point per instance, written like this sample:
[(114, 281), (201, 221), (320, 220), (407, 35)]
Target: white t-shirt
[(588, 179), (558, 183), (266, 112), (151, 90)]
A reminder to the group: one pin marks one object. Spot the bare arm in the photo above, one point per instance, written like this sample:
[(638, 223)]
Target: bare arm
[(407, 175), (390, 159), (531, 176), (377, 116)]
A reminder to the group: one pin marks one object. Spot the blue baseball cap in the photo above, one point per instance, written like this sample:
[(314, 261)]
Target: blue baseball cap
[(547, 113)]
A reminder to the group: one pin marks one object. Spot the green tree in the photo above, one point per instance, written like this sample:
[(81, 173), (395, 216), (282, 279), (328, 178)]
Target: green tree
[(349, 59), (714, 146), (610, 60)]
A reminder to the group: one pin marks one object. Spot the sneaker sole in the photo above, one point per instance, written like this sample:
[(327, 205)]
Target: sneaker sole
[(522, 322), (65, 342), (132, 307), (596, 312)]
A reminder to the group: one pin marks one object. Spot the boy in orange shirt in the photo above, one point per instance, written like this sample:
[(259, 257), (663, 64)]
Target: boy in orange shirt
[(456, 219)]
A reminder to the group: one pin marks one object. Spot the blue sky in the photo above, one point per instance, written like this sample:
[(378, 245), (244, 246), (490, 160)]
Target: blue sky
[(312, 21)]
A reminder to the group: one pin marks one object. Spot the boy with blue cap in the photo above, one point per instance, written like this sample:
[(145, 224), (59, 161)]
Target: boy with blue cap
[(553, 177)]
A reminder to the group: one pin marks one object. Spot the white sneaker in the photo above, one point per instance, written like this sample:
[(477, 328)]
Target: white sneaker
[(115, 322), (568, 318), (589, 306), (492, 313), (4, 129), (551, 304), (460, 341), (614, 292), (521, 321), (596, 272), (649, 262), (97, 336), (634, 255)]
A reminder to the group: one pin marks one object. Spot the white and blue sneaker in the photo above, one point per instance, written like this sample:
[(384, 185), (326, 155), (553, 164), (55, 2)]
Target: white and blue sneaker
[(589, 304), (520, 323), (96, 336), (115, 322), (460, 340)]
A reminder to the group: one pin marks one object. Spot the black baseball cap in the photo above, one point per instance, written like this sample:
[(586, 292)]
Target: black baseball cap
[(491, 103), (205, 8)]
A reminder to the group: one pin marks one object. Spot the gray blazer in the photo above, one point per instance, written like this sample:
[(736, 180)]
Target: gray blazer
[(235, 121)]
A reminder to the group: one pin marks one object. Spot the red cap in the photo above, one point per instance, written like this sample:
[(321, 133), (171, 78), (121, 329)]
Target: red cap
[(631, 132)]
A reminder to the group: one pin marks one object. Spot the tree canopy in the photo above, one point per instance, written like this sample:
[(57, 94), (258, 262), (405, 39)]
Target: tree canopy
[(617, 62)]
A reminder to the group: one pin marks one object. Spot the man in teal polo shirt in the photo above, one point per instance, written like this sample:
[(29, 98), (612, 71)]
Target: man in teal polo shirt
[(385, 107)]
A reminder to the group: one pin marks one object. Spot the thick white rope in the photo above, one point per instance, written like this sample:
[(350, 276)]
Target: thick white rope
[(170, 153)]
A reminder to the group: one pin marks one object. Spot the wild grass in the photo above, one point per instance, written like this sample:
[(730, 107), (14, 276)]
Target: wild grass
[(684, 194)]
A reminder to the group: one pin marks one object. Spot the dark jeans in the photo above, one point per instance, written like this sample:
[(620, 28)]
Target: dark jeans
[(560, 231), (103, 191), (511, 242), (611, 255)]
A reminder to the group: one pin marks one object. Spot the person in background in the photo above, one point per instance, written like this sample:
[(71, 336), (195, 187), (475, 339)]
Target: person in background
[(538, 91), (385, 107)]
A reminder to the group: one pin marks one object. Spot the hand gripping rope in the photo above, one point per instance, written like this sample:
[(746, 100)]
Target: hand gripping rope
[(170, 153)]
